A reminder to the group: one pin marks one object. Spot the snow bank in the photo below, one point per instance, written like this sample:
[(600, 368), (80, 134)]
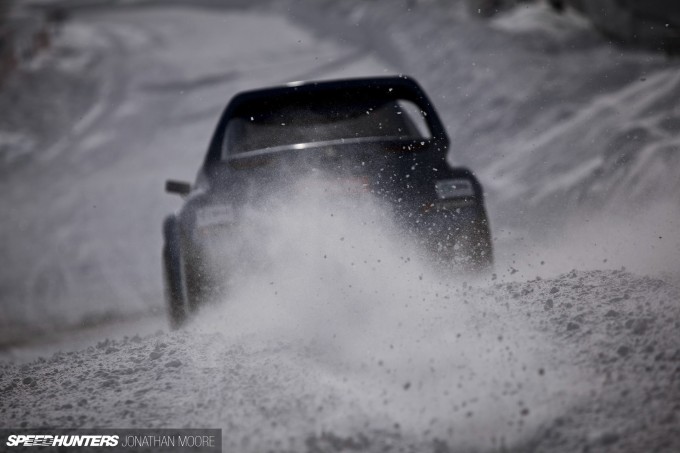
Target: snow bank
[(584, 360), (48, 93)]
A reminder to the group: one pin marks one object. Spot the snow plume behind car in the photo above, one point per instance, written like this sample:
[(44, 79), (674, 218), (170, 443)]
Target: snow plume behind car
[(349, 299)]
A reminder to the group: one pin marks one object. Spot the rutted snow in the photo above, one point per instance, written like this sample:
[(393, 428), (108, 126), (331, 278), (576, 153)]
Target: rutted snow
[(45, 94)]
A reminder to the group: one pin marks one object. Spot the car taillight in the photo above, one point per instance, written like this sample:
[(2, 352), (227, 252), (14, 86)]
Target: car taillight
[(454, 188), (451, 195)]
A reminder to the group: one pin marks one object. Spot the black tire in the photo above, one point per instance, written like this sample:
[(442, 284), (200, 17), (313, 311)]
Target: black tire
[(172, 274)]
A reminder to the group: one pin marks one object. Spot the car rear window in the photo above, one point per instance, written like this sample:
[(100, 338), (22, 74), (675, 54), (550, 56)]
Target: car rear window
[(307, 123)]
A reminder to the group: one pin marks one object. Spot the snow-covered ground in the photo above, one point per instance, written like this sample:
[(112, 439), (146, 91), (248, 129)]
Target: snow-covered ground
[(48, 93), (588, 360), (345, 338)]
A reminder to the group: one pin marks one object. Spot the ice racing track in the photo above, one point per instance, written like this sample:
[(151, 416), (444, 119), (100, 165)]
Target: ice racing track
[(345, 341)]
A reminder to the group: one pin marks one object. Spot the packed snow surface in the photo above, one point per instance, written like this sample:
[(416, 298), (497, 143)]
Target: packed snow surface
[(339, 335)]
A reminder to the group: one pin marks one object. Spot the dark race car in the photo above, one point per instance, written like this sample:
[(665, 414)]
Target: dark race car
[(375, 136)]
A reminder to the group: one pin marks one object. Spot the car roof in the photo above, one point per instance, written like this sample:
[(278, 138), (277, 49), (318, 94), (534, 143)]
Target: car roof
[(383, 88), (396, 87)]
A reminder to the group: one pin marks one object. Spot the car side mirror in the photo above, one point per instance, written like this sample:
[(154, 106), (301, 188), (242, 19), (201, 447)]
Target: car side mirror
[(180, 188)]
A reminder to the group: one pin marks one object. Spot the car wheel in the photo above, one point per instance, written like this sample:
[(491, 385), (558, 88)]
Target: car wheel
[(172, 274)]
